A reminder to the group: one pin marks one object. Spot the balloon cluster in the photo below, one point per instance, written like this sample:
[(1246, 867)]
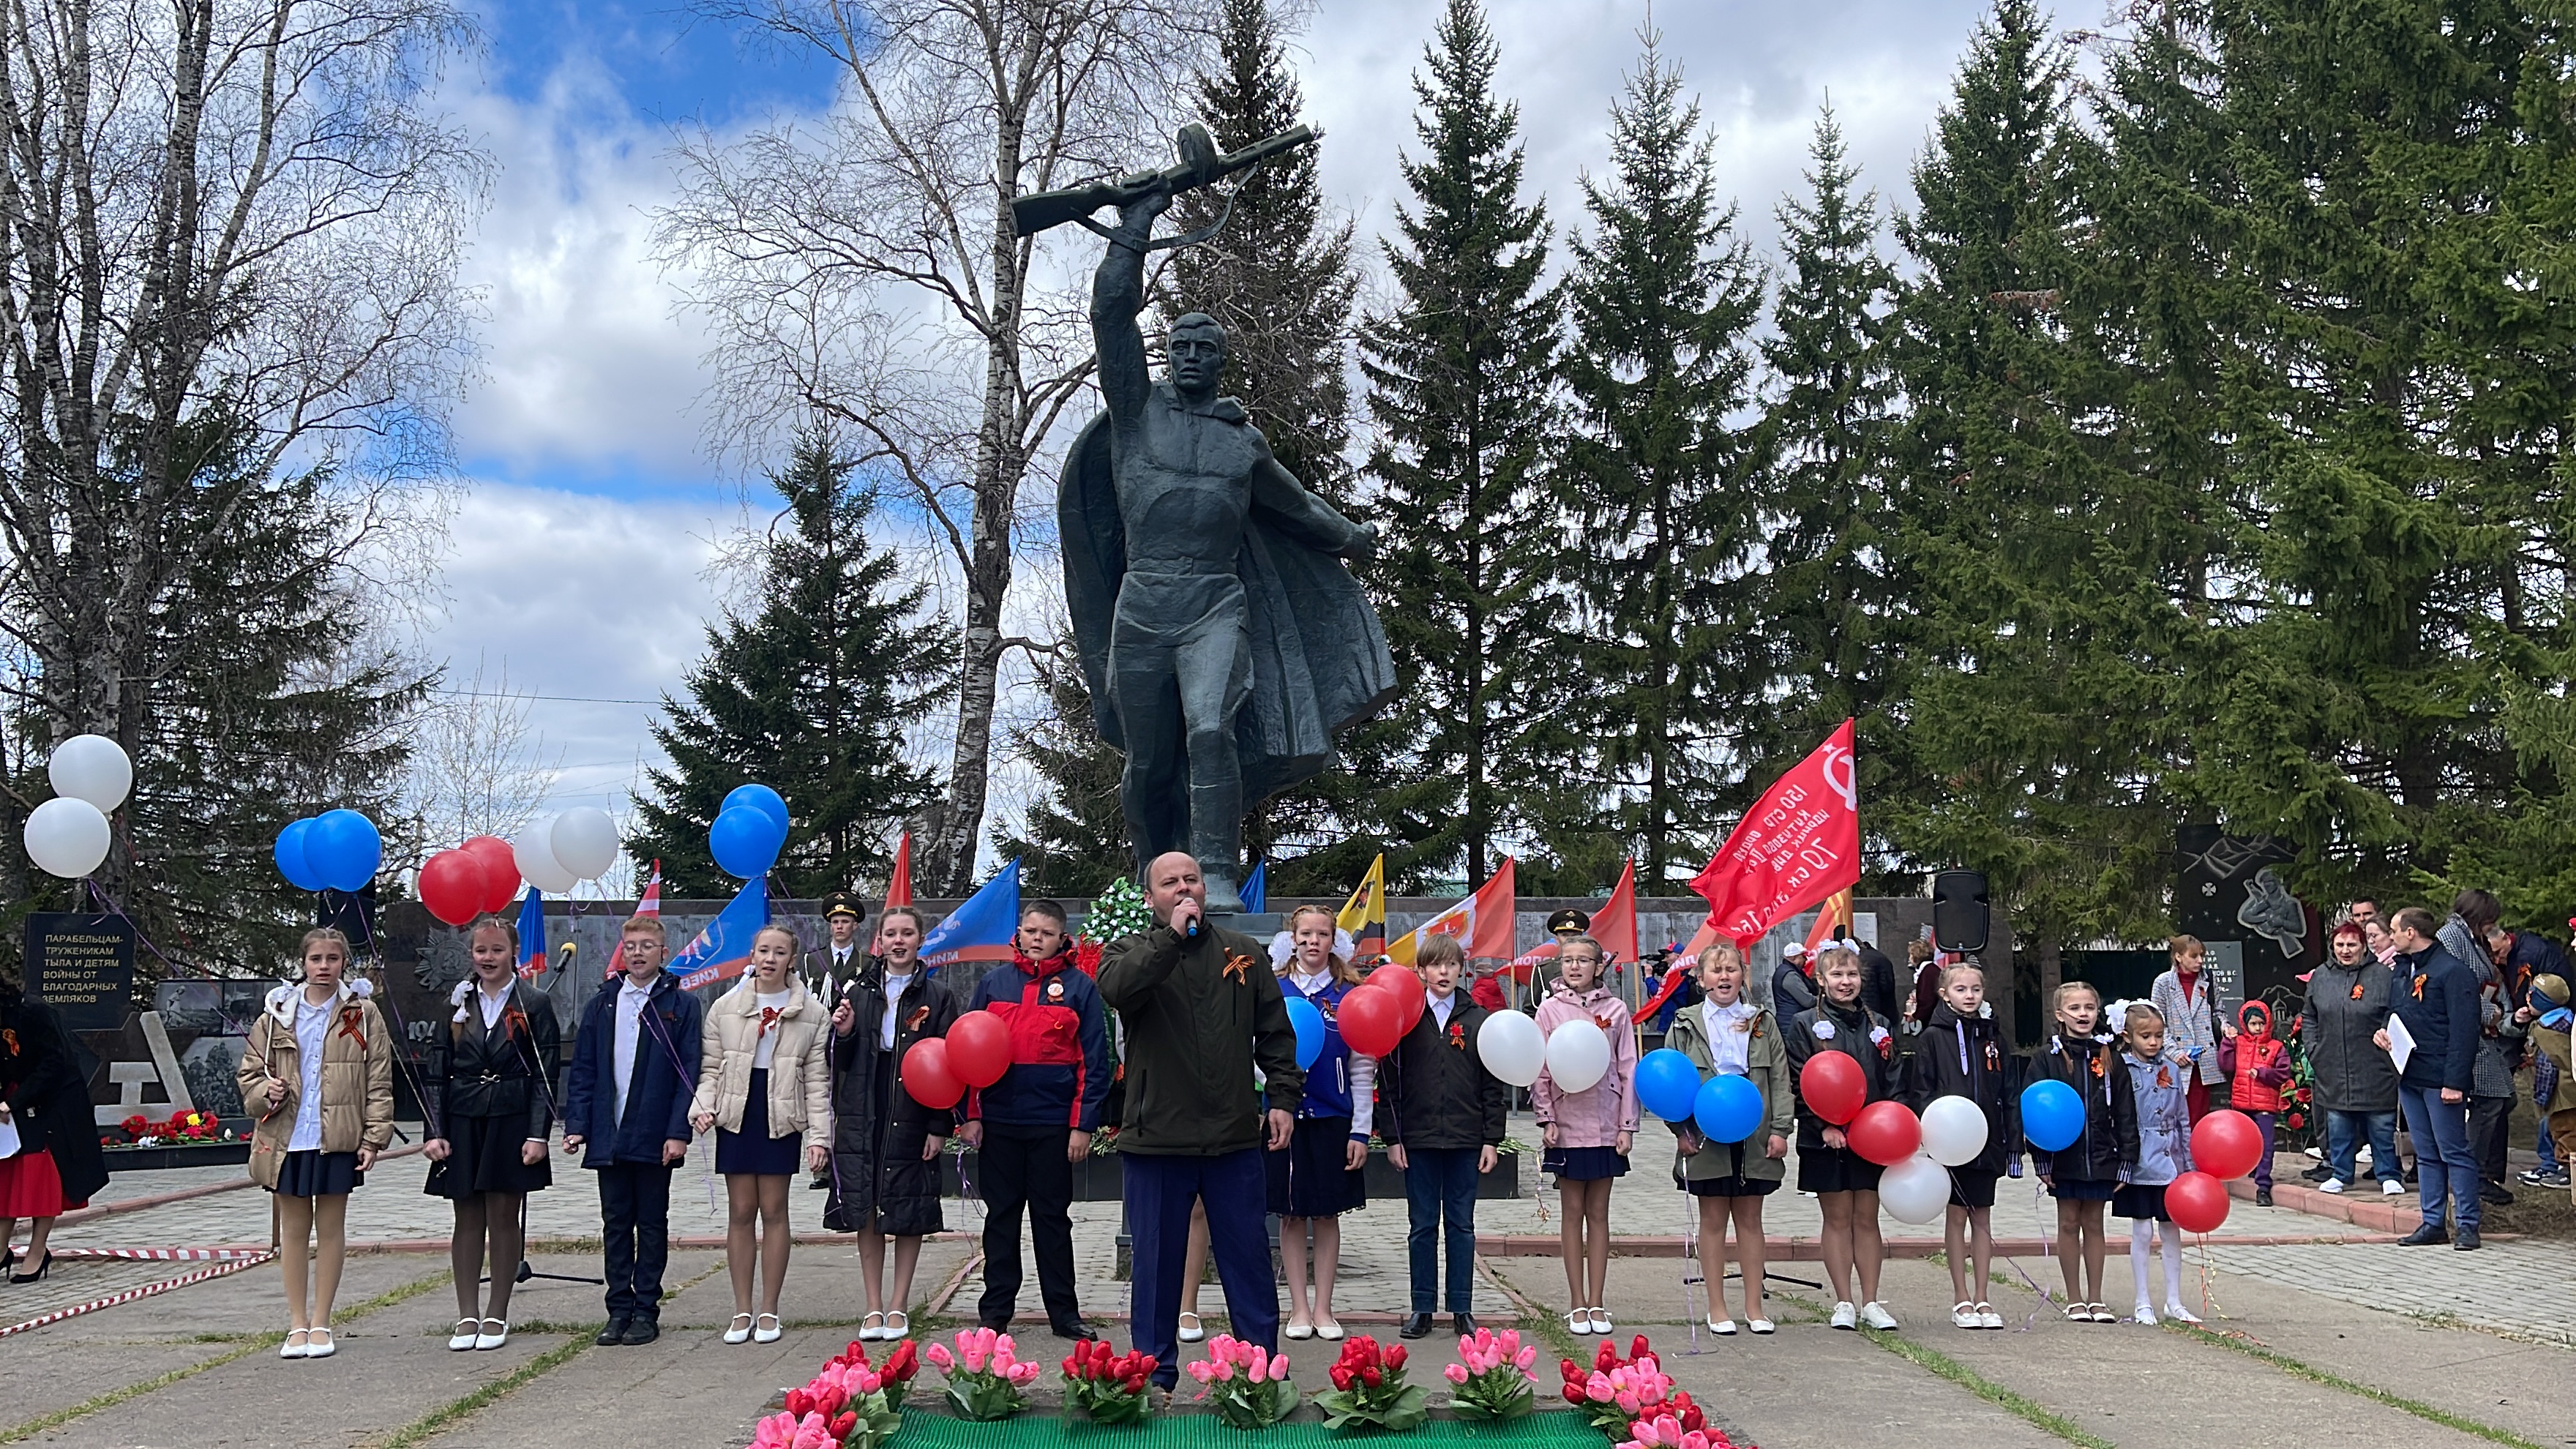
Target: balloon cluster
[(1381, 1009), (750, 829), (975, 1053), (337, 850), (67, 836), (553, 854)]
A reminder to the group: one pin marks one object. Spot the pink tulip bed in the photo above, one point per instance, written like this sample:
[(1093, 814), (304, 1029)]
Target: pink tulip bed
[(1614, 1402)]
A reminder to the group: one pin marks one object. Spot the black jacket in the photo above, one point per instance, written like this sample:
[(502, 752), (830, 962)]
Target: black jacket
[(1202, 1016), (1965, 1057), (1434, 1091), (667, 1040), (48, 1100), (879, 1180), (506, 1071), (1858, 1033), (2110, 1140), (1877, 980), (2437, 998)]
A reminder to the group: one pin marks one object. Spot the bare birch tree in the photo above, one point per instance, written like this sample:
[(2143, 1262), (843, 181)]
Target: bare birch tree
[(863, 265), (229, 234), (480, 767)]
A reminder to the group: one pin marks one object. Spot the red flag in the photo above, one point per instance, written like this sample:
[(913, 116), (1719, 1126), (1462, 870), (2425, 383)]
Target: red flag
[(1482, 923), (1798, 844), (651, 904), (899, 885), (1614, 926)]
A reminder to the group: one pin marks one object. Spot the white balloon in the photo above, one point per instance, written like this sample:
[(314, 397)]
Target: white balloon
[(1578, 1054), (1511, 1047), (1954, 1131), (66, 837), (584, 841), (92, 768), (535, 855), (1915, 1190)]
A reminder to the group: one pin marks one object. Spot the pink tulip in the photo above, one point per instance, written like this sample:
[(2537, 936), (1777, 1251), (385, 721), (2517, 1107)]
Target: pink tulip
[(1627, 1402), (1456, 1373), (1259, 1369), (1199, 1371), (1278, 1367), (939, 1358), (1596, 1388), (1526, 1358)]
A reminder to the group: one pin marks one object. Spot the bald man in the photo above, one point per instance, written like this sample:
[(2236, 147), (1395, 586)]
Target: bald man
[(1203, 1013)]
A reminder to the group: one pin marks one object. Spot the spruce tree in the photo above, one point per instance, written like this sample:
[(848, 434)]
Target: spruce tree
[(2039, 645), (812, 695), (1461, 386), (1656, 482), (1828, 587), (1279, 275)]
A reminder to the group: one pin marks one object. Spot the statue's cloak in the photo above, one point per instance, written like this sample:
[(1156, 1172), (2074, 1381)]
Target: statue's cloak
[(1319, 660)]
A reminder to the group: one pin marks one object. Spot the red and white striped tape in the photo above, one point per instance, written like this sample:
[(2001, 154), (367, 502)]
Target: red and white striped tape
[(236, 1265), (163, 1255)]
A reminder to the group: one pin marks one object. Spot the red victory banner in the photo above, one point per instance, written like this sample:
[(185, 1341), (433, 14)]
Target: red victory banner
[(1799, 844)]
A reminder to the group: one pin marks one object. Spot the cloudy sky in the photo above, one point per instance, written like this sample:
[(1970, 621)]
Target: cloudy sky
[(581, 551)]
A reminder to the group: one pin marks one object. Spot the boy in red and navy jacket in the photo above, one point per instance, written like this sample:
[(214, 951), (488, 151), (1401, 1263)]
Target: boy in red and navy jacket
[(1033, 1125)]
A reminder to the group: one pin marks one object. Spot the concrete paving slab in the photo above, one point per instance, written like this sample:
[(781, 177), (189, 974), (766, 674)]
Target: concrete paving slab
[(48, 1376)]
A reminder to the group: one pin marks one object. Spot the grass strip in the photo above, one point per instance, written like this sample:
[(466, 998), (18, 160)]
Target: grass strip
[(255, 1344), (2029, 1410), (437, 1420), (2301, 1369)]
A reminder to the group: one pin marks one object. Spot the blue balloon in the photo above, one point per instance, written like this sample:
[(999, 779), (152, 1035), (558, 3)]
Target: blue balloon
[(760, 798), (1310, 1030), (745, 841), (1729, 1109), (2052, 1116), (1667, 1084), (292, 862), (343, 849)]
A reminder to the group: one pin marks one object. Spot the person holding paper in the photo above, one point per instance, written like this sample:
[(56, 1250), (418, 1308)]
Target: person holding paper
[(49, 1158), (2436, 1012)]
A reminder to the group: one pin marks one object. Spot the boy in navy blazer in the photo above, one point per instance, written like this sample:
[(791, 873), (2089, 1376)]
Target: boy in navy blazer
[(626, 1100)]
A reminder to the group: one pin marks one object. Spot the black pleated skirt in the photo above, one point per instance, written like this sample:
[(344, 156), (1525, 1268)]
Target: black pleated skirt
[(312, 1173), (483, 1156)]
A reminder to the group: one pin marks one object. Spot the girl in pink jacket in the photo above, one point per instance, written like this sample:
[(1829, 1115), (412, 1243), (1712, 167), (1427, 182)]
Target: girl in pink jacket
[(1588, 1133)]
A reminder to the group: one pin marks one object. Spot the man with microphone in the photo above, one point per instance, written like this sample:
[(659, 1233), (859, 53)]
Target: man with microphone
[(1203, 1014)]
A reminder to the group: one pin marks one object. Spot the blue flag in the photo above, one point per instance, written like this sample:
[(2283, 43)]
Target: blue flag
[(981, 927), (1256, 888), (722, 950), (532, 936)]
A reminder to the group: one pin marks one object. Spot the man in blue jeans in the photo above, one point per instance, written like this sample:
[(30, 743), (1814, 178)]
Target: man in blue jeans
[(1442, 1115), (2436, 1000)]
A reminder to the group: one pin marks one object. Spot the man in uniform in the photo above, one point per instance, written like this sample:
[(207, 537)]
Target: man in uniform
[(832, 970), (1202, 1013)]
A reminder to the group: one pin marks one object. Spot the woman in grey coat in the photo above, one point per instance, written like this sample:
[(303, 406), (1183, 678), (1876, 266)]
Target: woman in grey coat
[(2356, 1082)]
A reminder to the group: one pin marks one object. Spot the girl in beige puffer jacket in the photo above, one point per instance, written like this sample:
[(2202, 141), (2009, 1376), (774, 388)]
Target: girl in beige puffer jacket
[(764, 1087)]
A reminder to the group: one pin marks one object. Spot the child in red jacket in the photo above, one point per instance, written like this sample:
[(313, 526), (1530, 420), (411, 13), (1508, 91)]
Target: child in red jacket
[(2257, 1065)]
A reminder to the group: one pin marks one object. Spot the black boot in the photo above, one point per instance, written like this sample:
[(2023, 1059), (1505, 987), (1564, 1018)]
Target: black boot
[(2424, 1236), (1416, 1325), (614, 1334)]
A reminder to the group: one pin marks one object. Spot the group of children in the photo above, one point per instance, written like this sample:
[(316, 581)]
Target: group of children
[(787, 1080)]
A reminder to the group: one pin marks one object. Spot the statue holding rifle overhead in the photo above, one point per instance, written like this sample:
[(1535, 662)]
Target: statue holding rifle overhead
[(1223, 640)]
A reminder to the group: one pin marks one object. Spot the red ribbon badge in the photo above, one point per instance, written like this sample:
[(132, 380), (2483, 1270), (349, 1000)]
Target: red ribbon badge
[(768, 1019), (351, 1018)]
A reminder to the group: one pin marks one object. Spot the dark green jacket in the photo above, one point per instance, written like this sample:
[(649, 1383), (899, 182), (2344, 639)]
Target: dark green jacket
[(1196, 1033)]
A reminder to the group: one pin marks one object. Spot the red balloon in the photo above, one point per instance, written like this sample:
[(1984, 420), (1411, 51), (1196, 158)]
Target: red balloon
[(929, 1078), (1406, 989), (1368, 1022), (2196, 1201), (1886, 1133), (1833, 1087), (2226, 1144), (452, 885), (979, 1048), (500, 870)]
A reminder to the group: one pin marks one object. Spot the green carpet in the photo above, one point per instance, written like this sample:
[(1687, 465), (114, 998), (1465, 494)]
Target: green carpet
[(1542, 1430)]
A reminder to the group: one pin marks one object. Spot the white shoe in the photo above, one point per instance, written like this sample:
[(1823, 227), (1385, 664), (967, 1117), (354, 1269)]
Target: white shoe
[(1601, 1320), (739, 1329), (898, 1325), (2143, 1314), (1875, 1314), (769, 1334), (2331, 1184), (294, 1347), (1298, 1331), (327, 1347), (462, 1340), (1845, 1316), (1722, 1327), (495, 1333), (1190, 1329), (2176, 1313), (2392, 1188), (1987, 1317), (1578, 1322), (1331, 1331), (1759, 1325), (871, 1327), (1965, 1316)]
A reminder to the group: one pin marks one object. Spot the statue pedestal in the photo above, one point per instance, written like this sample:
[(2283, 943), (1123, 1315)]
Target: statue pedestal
[(1259, 925)]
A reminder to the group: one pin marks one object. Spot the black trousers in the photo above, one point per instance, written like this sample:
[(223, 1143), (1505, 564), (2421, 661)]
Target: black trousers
[(2490, 1127), (1025, 1168), (635, 1211)]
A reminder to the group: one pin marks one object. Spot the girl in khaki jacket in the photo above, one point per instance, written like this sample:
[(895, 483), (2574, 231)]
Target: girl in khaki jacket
[(764, 1085), (1726, 1033), (318, 1075)]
